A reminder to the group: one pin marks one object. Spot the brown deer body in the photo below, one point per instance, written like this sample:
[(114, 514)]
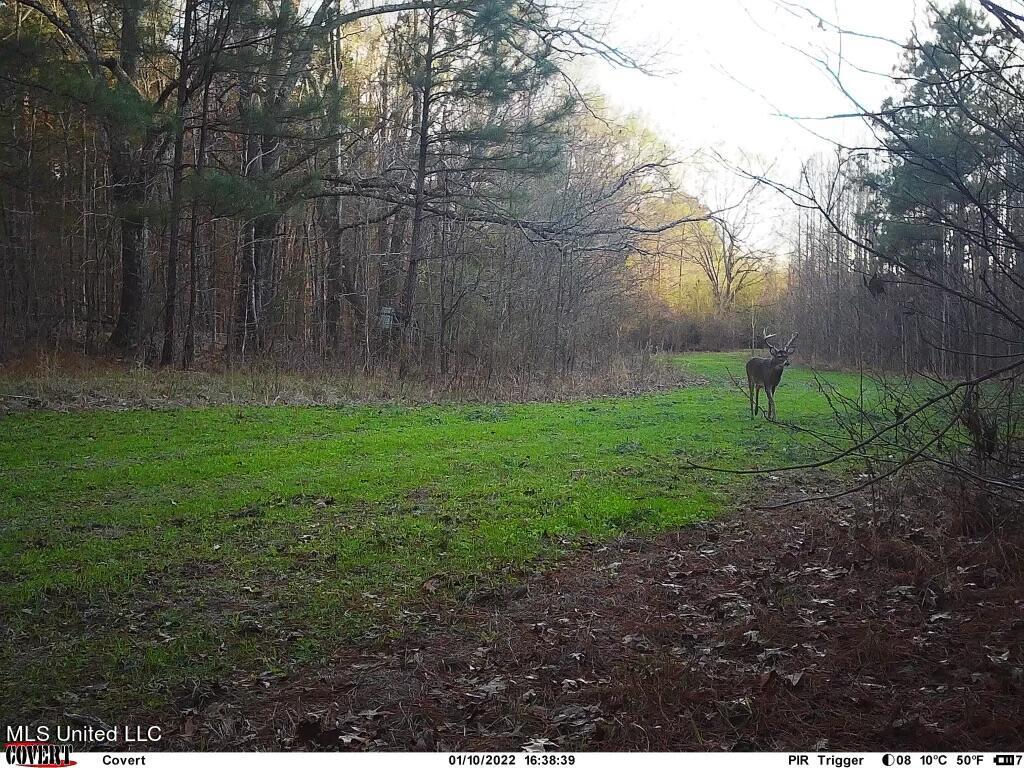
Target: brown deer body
[(766, 373)]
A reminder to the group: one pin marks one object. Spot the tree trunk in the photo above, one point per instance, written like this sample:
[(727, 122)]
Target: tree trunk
[(419, 214), (128, 175), (171, 287), (126, 193), (190, 331)]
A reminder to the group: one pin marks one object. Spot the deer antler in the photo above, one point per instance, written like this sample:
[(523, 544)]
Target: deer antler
[(789, 344), (766, 335)]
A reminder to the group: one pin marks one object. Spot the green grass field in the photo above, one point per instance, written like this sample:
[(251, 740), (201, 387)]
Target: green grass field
[(142, 551)]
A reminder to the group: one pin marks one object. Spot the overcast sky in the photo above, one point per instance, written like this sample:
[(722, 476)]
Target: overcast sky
[(729, 66)]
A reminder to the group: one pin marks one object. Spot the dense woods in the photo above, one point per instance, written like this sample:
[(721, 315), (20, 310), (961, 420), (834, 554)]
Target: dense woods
[(414, 182)]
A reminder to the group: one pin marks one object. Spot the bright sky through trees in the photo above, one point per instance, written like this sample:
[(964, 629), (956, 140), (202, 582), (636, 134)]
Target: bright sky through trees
[(728, 69)]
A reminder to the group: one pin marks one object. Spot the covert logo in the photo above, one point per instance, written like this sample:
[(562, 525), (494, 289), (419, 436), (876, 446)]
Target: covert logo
[(38, 754)]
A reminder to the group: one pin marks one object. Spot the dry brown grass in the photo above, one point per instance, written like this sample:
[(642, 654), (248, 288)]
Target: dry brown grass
[(62, 380)]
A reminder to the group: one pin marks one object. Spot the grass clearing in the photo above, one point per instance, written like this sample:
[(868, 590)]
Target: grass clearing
[(145, 552)]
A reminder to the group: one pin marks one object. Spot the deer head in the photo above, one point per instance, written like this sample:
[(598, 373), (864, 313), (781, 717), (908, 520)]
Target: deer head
[(780, 355)]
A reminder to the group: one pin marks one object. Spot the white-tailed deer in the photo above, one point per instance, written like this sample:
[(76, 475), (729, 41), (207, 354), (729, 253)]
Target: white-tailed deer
[(766, 373)]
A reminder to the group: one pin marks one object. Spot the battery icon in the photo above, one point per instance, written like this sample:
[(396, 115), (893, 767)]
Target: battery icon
[(1005, 760)]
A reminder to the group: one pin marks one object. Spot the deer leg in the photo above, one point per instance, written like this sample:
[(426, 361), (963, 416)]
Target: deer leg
[(757, 399), (771, 403), (750, 396)]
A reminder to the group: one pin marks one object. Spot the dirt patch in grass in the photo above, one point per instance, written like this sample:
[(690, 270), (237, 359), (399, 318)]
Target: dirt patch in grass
[(794, 629)]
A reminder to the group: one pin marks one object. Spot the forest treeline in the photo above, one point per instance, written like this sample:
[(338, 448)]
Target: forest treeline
[(424, 184), (417, 182), (907, 252)]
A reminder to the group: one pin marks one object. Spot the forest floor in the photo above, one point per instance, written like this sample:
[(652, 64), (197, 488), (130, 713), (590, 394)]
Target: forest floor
[(804, 630), (489, 576)]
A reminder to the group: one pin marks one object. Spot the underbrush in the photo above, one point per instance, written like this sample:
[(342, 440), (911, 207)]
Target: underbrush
[(65, 381)]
